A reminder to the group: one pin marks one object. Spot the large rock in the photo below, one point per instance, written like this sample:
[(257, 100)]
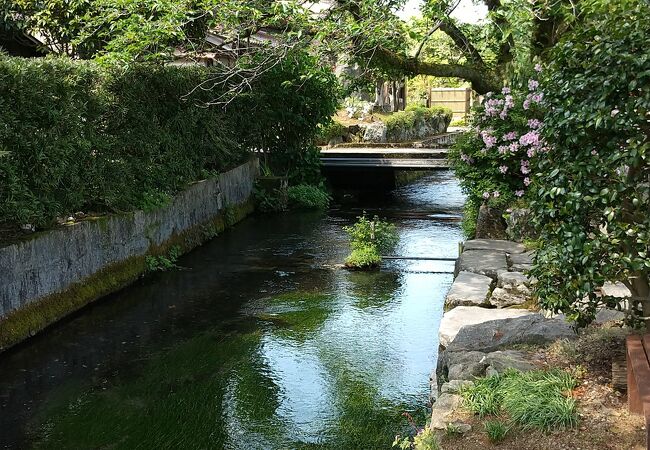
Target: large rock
[(484, 262), (457, 368), (375, 132), (503, 298), (490, 223), (521, 262), (469, 289), (464, 365), (497, 334), (512, 289), (494, 244), (442, 411), (500, 361), (519, 225), (455, 386), (462, 316), (615, 290), (512, 280)]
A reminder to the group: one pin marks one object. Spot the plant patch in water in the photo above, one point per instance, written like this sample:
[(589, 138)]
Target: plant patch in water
[(175, 401), (297, 314), (369, 239)]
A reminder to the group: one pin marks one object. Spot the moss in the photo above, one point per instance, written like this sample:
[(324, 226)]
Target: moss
[(37, 315)]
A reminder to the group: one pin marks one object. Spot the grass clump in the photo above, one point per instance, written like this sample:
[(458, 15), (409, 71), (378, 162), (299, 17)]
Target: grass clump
[(496, 430), (533, 400), (163, 263), (424, 439), (307, 196), (369, 239), (365, 257)]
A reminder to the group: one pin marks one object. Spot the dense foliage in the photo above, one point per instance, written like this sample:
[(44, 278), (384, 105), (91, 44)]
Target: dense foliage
[(307, 196), (594, 185), (369, 32), (83, 137)]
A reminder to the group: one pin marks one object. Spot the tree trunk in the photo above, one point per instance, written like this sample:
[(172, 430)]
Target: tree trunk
[(395, 97), (639, 285)]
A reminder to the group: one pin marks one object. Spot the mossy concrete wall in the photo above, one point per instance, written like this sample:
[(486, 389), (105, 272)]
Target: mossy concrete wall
[(56, 272)]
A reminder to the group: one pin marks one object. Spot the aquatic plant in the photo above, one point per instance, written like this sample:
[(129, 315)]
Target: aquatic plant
[(369, 239)]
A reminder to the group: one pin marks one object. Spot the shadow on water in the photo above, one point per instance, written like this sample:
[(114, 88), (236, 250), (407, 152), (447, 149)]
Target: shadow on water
[(259, 341)]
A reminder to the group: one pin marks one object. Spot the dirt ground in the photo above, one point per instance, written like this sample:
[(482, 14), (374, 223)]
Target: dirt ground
[(604, 423)]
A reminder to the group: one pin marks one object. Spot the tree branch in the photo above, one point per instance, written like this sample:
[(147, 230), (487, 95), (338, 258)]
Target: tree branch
[(482, 79), (463, 44)]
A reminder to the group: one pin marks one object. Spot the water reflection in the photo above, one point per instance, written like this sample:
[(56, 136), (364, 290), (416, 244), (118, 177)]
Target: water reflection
[(259, 342)]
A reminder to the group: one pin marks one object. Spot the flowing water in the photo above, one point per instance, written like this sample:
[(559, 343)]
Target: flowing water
[(258, 341)]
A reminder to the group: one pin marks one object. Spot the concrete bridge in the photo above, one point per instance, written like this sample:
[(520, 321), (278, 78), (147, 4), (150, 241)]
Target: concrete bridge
[(378, 168), (393, 158)]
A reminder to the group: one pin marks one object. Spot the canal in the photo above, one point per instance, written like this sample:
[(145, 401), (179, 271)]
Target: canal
[(259, 340)]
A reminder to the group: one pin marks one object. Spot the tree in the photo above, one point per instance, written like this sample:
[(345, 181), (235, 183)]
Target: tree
[(366, 30), (592, 206)]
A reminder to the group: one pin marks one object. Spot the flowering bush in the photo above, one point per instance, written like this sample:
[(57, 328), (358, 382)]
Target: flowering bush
[(494, 159)]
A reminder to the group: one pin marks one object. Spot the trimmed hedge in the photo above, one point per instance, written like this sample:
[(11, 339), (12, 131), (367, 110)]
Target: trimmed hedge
[(75, 136), (414, 116)]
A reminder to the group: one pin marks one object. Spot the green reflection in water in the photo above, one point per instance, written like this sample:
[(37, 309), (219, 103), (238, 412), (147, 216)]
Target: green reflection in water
[(297, 315), (174, 402), (225, 389)]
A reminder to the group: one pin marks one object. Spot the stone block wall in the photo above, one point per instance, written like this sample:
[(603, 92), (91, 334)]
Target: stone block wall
[(58, 271)]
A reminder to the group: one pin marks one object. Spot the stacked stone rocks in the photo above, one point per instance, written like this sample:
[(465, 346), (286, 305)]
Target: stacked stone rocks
[(481, 327), (491, 273)]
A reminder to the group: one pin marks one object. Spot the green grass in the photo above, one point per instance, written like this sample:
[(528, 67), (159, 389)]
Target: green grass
[(532, 400), (496, 430)]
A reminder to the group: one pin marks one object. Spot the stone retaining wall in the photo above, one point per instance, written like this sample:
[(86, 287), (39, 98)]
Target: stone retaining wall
[(56, 272)]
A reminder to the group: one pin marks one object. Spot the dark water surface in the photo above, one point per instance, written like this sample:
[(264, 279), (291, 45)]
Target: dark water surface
[(259, 341)]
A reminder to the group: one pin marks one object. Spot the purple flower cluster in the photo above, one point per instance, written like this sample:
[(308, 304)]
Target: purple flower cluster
[(488, 138), (530, 139), (534, 124), (510, 136), (533, 98), (467, 159)]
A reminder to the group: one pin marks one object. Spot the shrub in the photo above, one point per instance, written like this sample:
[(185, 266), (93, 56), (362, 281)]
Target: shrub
[(332, 130), (81, 137), (413, 116), (163, 263), (306, 196), (369, 239), (592, 204), (376, 233), (424, 439)]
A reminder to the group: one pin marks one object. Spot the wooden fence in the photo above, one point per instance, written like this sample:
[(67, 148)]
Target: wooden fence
[(459, 100)]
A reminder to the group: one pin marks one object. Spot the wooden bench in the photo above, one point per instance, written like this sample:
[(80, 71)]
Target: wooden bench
[(638, 378)]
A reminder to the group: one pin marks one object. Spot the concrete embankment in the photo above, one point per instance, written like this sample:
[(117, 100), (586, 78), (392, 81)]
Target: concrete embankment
[(56, 272)]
